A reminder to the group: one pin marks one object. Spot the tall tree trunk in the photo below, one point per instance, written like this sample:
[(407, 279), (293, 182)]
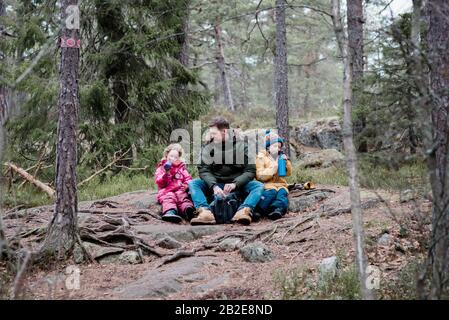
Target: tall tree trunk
[(61, 233), (355, 43), (221, 63), (438, 56), (309, 72), (217, 89), (355, 39), (111, 24), (423, 109), (351, 156), (281, 75), (244, 81), (183, 38), (3, 117), (4, 107), (415, 73)]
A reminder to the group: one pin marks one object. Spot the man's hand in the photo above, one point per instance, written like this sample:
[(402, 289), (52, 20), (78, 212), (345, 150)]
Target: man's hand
[(228, 188), (219, 192)]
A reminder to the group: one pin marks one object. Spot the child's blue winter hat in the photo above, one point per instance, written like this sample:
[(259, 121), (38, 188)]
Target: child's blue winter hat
[(269, 141)]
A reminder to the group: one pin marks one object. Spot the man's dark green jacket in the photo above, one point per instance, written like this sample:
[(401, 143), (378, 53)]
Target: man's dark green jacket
[(235, 165)]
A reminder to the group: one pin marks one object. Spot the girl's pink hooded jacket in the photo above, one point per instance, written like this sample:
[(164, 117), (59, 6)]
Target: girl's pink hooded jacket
[(173, 180)]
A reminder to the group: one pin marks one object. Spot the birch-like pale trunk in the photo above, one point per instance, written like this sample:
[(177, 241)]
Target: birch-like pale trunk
[(350, 152)]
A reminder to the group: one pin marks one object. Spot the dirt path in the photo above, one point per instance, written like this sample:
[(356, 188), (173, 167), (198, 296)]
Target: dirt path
[(214, 266)]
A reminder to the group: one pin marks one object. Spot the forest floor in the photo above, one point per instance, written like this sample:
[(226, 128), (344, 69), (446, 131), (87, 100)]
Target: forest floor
[(395, 228)]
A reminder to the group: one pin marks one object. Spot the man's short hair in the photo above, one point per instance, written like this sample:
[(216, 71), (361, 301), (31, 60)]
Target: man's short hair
[(219, 122)]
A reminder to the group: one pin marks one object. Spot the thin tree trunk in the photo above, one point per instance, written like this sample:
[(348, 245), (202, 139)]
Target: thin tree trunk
[(415, 72), (4, 107), (111, 24), (351, 156), (438, 56), (3, 117), (423, 108), (61, 233), (222, 67), (184, 39), (244, 80), (355, 21), (355, 39), (281, 75), (217, 89)]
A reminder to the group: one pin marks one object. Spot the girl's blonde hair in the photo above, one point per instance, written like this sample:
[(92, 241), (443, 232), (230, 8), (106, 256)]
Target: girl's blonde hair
[(174, 146)]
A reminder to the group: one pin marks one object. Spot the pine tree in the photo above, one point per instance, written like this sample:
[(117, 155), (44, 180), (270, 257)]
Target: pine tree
[(281, 75), (438, 55), (134, 88), (61, 234)]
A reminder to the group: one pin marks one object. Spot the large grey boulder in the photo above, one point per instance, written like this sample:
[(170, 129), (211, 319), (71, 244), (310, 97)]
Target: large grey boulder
[(323, 158), (322, 133)]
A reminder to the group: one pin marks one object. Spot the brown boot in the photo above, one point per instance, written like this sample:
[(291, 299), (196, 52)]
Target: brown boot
[(205, 216), (243, 216)]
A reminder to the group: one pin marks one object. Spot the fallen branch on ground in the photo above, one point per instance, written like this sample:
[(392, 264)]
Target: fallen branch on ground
[(38, 165), (42, 186)]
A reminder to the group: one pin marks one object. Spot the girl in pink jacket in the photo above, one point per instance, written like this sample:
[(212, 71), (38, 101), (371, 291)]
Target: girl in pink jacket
[(171, 178)]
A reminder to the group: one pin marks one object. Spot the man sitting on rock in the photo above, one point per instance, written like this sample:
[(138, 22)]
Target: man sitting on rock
[(225, 167)]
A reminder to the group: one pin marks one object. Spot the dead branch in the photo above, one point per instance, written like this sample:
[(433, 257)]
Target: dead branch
[(116, 159), (38, 165), (131, 169), (42, 186), (14, 209)]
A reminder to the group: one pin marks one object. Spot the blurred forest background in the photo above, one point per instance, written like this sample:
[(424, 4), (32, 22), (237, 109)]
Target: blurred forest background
[(357, 88), (135, 55)]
